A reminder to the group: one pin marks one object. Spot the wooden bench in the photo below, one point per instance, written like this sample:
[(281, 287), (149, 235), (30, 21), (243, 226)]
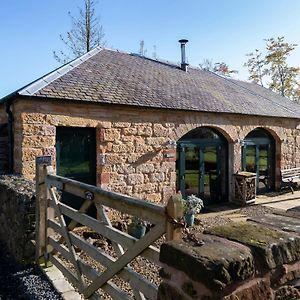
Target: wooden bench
[(290, 177)]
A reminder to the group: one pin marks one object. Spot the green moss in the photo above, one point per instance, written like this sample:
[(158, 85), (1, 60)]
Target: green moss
[(249, 234)]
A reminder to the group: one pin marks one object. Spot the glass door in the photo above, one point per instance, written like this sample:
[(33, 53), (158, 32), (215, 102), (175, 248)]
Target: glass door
[(210, 173), (250, 158), (199, 171), (257, 158), (189, 170)]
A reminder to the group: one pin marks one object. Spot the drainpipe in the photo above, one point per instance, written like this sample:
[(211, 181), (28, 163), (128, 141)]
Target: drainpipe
[(10, 136)]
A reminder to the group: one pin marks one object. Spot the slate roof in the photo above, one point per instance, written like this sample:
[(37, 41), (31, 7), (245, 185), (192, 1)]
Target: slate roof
[(109, 76)]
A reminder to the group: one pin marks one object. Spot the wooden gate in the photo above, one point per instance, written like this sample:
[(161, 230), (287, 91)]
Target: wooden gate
[(60, 244)]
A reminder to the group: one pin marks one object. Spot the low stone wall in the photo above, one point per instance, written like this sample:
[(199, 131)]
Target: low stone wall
[(240, 261), (17, 216)]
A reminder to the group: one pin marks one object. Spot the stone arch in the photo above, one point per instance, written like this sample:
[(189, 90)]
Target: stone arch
[(261, 154), (226, 131), (277, 136), (202, 164)]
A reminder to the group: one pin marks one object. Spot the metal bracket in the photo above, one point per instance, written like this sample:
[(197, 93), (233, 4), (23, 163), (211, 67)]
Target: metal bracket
[(52, 183), (89, 195)]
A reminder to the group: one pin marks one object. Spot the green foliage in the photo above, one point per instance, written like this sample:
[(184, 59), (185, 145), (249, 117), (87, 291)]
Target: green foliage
[(192, 205), (256, 65), (273, 70)]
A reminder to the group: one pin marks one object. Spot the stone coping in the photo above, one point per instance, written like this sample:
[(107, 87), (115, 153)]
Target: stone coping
[(231, 253), (217, 263), (270, 247)]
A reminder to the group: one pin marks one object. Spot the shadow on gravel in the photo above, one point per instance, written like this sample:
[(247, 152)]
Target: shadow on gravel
[(25, 282)]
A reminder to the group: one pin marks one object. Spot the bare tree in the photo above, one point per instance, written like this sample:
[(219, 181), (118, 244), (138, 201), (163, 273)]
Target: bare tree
[(219, 68), (86, 33)]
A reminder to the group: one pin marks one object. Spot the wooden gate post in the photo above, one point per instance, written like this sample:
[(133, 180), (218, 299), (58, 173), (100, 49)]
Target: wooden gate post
[(41, 206), (174, 218)]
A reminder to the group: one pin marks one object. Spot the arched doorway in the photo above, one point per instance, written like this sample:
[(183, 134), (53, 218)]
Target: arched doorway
[(202, 159), (258, 156)]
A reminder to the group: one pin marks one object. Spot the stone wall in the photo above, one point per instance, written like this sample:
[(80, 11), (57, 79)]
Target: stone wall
[(4, 148), (17, 216), (3, 114), (134, 155), (241, 261)]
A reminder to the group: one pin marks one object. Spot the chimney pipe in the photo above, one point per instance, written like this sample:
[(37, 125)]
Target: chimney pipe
[(184, 64)]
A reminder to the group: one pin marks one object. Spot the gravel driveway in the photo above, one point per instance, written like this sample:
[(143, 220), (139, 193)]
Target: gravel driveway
[(23, 282)]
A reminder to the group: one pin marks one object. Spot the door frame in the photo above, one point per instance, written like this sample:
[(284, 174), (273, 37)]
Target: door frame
[(257, 142), (201, 144), (92, 149)]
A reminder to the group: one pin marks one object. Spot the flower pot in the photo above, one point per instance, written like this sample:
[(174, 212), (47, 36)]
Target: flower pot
[(189, 219), (137, 231)]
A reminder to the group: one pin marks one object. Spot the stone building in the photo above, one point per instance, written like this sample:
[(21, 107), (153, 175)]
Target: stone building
[(145, 127)]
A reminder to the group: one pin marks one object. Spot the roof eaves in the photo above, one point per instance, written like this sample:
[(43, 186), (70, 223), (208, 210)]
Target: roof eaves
[(35, 86)]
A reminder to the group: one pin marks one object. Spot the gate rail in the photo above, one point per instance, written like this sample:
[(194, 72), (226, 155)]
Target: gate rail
[(50, 214)]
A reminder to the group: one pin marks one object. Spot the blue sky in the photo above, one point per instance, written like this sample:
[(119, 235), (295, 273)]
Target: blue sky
[(222, 30)]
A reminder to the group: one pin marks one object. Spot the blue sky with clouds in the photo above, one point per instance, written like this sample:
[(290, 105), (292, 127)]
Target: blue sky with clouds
[(222, 30)]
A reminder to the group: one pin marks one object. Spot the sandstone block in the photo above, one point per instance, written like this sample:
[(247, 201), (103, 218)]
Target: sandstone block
[(154, 197), (134, 179), (168, 291), (38, 141), (145, 168), (123, 148), (216, 264), (144, 130), (49, 130), (111, 135), (33, 118), (127, 138), (104, 124), (142, 148), (104, 169), (133, 157), (123, 169), (33, 129), (129, 131), (146, 187), (156, 141), (29, 154), (168, 167), (157, 177), (255, 289), (104, 178), (121, 124), (115, 159), (28, 169), (160, 130), (270, 247)]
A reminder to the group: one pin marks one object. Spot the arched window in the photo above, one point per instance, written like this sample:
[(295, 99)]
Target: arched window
[(202, 165), (258, 156)]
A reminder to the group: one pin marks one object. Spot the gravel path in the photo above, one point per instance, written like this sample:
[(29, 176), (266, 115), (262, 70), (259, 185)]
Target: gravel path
[(23, 282)]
